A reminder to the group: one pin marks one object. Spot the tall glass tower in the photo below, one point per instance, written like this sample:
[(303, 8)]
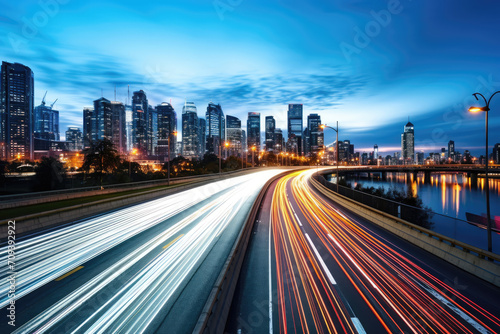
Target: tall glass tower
[(216, 127), (233, 135), (295, 126), (16, 111), (408, 144), (253, 131), (270, 127), (167, 126), (190, 131), (46, 122)]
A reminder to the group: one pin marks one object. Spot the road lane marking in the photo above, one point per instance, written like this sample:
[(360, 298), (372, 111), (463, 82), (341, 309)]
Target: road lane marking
[(172, 242), (455, 309), (325, 268), (69, 273), (358, 325)]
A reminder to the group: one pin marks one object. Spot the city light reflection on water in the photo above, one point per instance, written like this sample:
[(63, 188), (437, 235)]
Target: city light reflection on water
[(451, 194)]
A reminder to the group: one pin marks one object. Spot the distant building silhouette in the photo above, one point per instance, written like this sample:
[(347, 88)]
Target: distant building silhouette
[(140, 112), (316, 139)]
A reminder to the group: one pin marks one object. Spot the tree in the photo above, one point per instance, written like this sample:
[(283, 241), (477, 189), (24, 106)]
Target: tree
[(50, 174), (101, 158)]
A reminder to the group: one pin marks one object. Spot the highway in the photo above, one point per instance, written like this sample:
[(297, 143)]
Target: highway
[(315, 267), (145, 268)]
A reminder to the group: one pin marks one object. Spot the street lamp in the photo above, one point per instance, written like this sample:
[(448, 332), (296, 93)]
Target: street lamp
[(323, 126), (168, 161), (486, 108)]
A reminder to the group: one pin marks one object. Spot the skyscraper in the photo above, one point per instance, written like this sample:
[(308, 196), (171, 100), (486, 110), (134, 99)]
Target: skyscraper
[(451, 150), (140, 110), (496, 153), (253, 131), (408, 144), (233, 135), (152, 131), (215, 127), (16, 111), (46, 122), (89, 124), (119, 127), (295, 125), (278, 140), (202, 137), (375, 152), (190, 131), (270, 127), (167, 128), (74, 138), (316, 139)]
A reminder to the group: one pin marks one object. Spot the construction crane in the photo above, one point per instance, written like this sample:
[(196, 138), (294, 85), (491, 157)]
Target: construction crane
[(52, 105), (43, 100)]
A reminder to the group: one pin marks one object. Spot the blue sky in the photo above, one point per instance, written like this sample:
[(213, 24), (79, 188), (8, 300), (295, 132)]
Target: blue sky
[(367, 64)]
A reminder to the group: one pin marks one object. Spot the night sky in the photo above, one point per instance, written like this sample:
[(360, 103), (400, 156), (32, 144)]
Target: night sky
[(367, 64)]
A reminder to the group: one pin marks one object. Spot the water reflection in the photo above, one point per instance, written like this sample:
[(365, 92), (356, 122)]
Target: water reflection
[(450, 194)]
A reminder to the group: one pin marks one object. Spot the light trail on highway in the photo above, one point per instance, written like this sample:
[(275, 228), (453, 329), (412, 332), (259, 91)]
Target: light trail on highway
[(156, 270), (311, 238)]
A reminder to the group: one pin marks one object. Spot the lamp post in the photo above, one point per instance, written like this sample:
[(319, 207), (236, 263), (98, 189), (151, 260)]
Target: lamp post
[(323, 126), (168, 161), (486, 108)]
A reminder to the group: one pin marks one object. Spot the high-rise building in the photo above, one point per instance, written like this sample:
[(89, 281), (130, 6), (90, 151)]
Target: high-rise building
[(253, 131), (46, 122), (190, 131), (152, 131), (16, 111), (244, 139), (167, 131), (408, 144), (233, 135), (216, 130), (270, 127), (278, 141), (451, 150), (496, 153), (119, 126), (202, 137), (306, 140), (420, 158), (105, 121), (295, 126), (316, 139), (74, 138), (375, 152), (140, 111)]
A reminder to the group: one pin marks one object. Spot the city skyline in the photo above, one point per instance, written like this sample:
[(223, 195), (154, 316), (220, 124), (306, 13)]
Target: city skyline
[(257, 66)]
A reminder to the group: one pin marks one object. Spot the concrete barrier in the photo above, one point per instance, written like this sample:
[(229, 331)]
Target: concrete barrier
[(466, 257)]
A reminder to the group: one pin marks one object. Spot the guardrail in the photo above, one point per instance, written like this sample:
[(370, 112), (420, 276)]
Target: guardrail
[(480, 253), (214, 315)]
